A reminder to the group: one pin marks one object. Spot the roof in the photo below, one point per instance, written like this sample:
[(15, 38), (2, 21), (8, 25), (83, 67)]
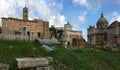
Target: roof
[(113, 24), (35, 20)]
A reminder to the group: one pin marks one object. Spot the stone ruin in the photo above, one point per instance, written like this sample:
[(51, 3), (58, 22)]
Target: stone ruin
[(14, 37), (31, 64), (49, 42), (34, 63), (111, 47)]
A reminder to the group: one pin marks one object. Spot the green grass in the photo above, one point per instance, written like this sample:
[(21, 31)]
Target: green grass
[(63, 59)]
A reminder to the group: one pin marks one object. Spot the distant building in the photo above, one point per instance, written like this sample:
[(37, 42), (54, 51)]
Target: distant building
[(71, 37), (113, 33), (33, 28), (104, 34)]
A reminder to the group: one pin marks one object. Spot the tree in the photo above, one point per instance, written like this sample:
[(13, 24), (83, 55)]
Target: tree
[(60, 33), (53, 31)]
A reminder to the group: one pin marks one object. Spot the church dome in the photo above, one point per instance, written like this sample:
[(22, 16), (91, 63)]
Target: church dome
[(102, 22)]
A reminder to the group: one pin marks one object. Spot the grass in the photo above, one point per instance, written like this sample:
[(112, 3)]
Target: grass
[(63, 59)]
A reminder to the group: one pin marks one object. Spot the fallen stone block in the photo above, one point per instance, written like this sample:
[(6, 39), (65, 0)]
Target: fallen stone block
[(47, 48), (49, 42), (32, 62)]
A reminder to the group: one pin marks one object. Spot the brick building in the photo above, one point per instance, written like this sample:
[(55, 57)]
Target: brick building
[(32, 28)]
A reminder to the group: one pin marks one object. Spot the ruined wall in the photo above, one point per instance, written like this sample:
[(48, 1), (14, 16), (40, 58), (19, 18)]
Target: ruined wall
[(34, 28), (46, 30), (72, 34), (78, 42)]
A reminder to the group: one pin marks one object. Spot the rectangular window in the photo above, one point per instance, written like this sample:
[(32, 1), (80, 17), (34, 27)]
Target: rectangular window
[(24, 30), (28, 33), (38, 34)]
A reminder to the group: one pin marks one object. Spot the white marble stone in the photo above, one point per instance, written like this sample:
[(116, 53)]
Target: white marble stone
[(32, 62)]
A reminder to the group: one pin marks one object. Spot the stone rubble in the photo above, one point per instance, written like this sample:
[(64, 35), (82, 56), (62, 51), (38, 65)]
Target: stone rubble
[(4, 66)]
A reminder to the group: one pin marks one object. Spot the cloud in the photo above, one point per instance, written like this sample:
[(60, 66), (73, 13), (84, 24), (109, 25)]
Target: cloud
[(50, 12), (82, 17), (80, 20), (112, 1), (44, 9), (7, 8), (83, 3), (114, 16), (91, 5), (84, 33)]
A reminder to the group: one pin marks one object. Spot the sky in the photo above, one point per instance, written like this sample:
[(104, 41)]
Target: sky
[(79, 13)]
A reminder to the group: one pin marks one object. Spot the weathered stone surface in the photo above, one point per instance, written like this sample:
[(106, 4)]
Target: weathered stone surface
[(50, 59), (32, 62), (43, 68), (51, 67), (13, 37), (52, 41), (47, 48), (4, 66), (111, 47)]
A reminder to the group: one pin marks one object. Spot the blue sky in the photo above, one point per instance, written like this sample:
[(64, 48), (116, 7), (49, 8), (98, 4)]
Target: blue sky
[(79, 13)]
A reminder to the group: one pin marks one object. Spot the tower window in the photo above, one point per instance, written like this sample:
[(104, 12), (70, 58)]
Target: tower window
[(25, 15), (25, 11)]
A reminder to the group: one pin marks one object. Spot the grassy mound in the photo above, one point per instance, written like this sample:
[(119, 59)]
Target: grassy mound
[(64, 59)]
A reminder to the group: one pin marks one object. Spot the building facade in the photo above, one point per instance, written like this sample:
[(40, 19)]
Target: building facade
[(113, 33), (71, 37), (32, 28), (103, 33)]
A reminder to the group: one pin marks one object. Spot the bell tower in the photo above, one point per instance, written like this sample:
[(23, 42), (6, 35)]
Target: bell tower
[(25, 13)]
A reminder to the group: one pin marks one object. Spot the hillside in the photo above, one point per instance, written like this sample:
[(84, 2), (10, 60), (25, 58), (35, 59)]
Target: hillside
[(64, 59)]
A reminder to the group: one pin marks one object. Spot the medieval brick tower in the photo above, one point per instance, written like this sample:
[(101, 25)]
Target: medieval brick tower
[(25, 13)]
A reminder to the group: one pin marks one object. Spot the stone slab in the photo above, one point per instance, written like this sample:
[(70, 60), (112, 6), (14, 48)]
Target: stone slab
[(32, 62), (47, 48)]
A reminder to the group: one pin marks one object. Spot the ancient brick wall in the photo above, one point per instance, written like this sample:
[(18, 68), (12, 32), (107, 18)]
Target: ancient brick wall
[(46, 31), (34, 28)]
